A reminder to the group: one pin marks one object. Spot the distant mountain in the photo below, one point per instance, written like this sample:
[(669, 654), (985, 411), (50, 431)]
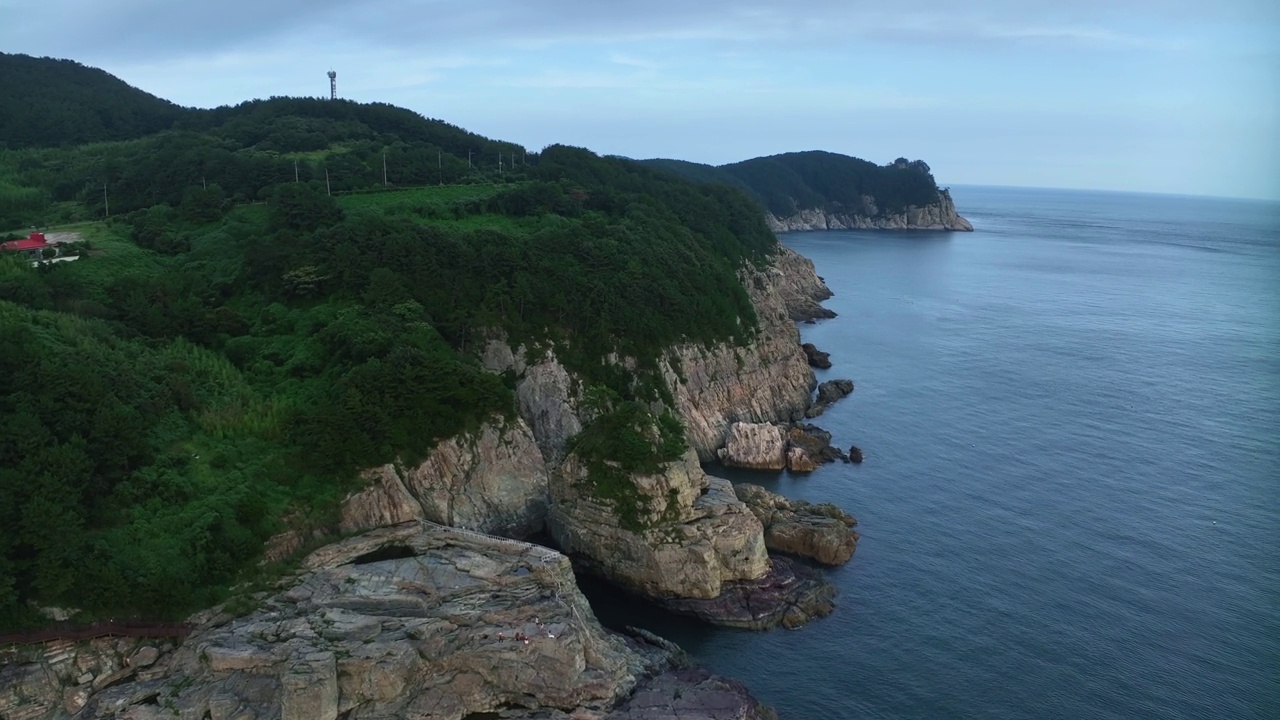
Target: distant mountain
[(818, 190), (46, 102)]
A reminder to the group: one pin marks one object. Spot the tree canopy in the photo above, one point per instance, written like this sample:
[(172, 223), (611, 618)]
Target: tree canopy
[(788, 183)]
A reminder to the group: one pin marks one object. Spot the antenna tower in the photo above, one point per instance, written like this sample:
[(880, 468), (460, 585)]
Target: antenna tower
[(333, 85)]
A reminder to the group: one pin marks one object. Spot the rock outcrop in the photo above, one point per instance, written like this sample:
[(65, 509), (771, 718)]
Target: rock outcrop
[(815, 357), (692, 694), (828, 393), (494, 481), (690, 537), (799, 286), (940, 215), (815, 442), (408, 621), (58, 678), (754, 446), (821, 532)]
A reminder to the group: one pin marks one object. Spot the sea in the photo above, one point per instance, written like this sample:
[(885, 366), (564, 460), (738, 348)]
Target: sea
[(1070, 500)]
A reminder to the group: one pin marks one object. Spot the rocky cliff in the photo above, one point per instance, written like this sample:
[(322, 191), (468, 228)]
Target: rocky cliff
[(493, 481), (690, 537), (408, 621), (940, 215), (768, 380), (696, 534)]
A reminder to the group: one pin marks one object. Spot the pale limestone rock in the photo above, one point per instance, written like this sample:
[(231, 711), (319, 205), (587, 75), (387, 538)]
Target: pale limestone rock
[(696, 537), (822, 532), (493, 481), (939, 215), (798, 461), (755, 446)]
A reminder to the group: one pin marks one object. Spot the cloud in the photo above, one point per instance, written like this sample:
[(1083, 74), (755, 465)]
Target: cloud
[(161, 29)]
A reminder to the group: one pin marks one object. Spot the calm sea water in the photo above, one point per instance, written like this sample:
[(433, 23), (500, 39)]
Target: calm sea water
[(1070, 505)]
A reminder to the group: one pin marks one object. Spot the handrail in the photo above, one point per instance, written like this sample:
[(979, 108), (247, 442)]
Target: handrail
[(97, 630)]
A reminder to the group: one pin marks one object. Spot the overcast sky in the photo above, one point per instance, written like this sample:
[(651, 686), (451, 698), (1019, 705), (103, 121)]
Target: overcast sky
[(1179, 96)]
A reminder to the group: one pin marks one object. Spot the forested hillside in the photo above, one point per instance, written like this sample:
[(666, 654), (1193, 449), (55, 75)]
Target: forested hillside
[(234, 345), (785, 184), (46, 102)]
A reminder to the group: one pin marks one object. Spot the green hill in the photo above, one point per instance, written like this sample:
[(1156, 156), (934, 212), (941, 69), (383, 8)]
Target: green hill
[(235, 345), (788, 183), (46, 102)]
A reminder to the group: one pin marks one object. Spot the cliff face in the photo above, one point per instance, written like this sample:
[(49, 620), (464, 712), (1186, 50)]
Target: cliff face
[(941, 215), (494, 481), (769, 379)]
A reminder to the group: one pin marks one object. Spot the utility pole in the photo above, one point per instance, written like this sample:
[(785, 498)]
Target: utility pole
[(384, 169), (499, 162), (468, 159), (440, 165), (327, 191), (295, 171), (106, 206)]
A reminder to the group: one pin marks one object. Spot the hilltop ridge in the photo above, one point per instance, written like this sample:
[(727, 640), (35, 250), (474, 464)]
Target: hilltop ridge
[(819, 190)]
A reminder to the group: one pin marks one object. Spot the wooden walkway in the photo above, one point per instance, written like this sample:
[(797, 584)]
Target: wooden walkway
[(97, 630)]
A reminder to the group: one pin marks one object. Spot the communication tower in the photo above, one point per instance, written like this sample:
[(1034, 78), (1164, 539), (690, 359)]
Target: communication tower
[(333, 85)]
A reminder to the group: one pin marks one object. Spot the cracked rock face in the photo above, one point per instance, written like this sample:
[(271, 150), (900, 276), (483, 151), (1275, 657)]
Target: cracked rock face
[(494, 481), (401, 622), (767, 380), (697, 536), (821, 532)]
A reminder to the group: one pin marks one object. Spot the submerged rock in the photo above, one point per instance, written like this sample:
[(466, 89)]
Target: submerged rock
[(790, 595), (815, 441), (828, 393), (692, 694), (821, 532)]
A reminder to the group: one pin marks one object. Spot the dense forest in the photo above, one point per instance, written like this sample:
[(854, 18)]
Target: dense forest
[(46, 102), (236, 343), (785, 184)]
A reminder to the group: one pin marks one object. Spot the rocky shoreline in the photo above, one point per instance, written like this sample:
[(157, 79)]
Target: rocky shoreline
[(940, 215), (418, 613)]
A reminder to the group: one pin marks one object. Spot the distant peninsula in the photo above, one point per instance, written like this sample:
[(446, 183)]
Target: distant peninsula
[(819, 190)]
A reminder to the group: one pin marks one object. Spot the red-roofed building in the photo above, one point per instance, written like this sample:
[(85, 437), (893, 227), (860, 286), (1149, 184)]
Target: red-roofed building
[(33, 247)]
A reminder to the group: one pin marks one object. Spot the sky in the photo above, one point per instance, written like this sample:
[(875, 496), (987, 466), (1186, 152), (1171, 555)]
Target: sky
[(1168, 96)]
